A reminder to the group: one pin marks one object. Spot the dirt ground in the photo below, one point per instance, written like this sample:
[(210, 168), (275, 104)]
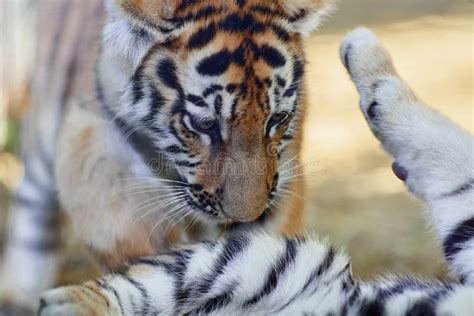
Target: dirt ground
[(352, 195)]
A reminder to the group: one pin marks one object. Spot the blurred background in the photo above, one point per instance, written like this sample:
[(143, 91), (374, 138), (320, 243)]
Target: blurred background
[(352, 195)]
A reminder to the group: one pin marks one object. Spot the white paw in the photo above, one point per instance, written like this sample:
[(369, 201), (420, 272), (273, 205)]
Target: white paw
[(384, 97), (364, 56), (76, 300), (354, 44), (59, 302), (432, 154)]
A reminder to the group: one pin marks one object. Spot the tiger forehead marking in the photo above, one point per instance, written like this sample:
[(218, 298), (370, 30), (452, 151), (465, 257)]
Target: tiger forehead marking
[(218, 82), (240, 46)]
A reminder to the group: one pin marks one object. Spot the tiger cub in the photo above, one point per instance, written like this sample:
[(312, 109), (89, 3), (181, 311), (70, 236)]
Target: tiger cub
[(259, 274), (202, 105), (195, 132)]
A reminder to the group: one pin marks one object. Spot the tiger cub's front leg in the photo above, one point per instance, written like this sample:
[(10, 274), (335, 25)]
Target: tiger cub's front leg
[(86, 299), (432, 155)]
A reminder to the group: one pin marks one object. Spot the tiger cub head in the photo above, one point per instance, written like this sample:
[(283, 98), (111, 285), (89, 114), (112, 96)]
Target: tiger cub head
[(216, 88)]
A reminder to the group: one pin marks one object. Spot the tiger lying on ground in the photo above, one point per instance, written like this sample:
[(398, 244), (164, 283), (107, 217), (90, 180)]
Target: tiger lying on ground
[(259, 274), (199, 134)]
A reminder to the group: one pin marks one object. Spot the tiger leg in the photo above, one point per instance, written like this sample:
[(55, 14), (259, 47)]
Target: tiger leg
[(30, 263), (432, 155)]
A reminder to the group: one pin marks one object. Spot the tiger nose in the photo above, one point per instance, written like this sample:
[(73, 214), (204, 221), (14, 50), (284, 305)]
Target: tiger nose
[(244, 201)]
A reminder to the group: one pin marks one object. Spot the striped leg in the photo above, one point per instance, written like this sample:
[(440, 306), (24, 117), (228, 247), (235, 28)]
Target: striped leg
[(432, 155), (30, 261)]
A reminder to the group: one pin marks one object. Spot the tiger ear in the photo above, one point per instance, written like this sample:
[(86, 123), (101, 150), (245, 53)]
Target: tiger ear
[(306, 15), (154, 17), (134, 26)]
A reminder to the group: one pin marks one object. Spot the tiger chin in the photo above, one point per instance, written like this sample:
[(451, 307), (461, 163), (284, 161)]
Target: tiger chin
[(201, 106)]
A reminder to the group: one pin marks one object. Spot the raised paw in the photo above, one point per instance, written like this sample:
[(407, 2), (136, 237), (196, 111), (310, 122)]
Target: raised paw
[(432, 154), (383, 94), (81, 300), (364, 56)]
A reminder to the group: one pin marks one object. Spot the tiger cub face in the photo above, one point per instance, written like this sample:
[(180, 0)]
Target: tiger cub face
[(216, 87)]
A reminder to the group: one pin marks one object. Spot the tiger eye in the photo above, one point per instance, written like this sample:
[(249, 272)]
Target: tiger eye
[(205, 125), (277, 119)]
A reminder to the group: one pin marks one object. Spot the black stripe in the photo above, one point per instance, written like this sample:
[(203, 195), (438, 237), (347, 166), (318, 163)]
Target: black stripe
[(238, 23), (233, 247), (187, 164), (218, 103), (280, 81), (175, 149), (276, 272), (175, 133), (178, 270), (410, 284), (141, 33), (282, 34), (371, 308), (231, 88), (187, 3), (215, 64), (137, 88), (319, 271), (233, 109), (179, 105), (216, 303), (300, 15), (150, 262), (212, 89), (298, 73), (241, 3), (456, 240), (461, 189), (291, 91), (351, 300), (144, 293), (424, 307), (313, 277), (272, 56), (203, 14), (202, 37), (106, 287), (196, 100), (264, 10), (238, 56), (157, 102), (167, 73), (298, 69)]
